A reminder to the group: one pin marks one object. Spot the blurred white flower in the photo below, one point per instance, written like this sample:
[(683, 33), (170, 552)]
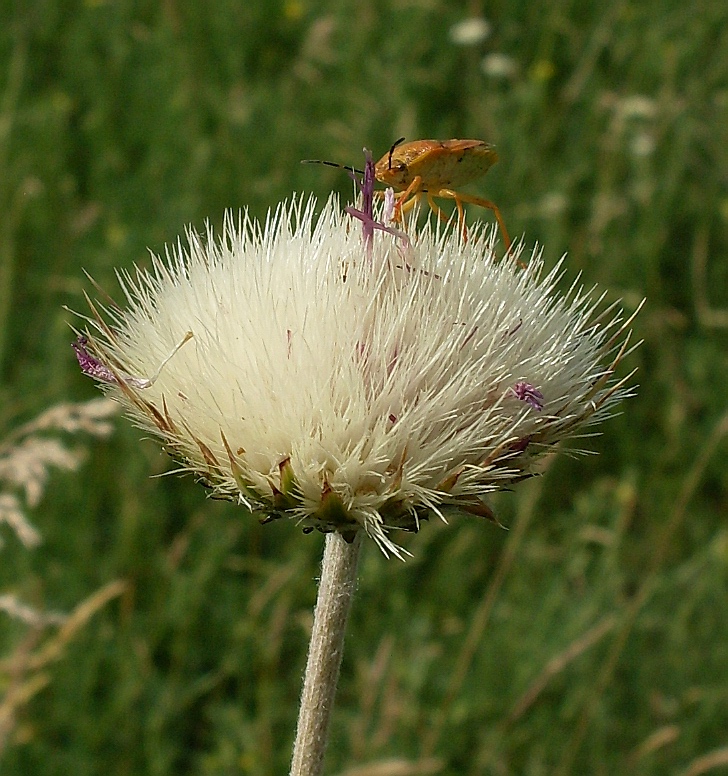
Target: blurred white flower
[(637, 106), (552, 204), (642, 144), (355, 383), (499, 66), (470, 32)]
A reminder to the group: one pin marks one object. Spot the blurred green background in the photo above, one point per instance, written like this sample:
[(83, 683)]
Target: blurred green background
[(592, 637)]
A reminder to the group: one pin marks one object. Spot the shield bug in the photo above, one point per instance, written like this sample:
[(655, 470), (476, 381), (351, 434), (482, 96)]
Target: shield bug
[(437, 169)]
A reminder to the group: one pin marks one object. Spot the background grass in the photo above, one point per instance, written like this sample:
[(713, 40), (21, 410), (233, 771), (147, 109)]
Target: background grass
[(592, 637)]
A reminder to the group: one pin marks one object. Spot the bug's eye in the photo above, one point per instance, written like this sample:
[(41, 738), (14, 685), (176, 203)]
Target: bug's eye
[(401, 167)]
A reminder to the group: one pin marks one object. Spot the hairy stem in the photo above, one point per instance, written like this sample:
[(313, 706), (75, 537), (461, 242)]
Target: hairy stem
[(338, 581)]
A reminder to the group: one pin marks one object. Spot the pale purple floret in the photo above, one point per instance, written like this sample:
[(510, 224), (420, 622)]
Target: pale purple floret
[(530, 394)]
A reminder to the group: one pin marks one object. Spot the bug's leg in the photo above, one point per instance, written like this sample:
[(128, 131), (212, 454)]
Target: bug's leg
[(461, 217), (458, 204), (481, 203), (411, 193), (436, 209), (405, 207)]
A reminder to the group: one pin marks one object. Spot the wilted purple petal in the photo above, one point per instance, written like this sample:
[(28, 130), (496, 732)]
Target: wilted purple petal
[(368, 187), (370, 225), (366, 214), (530, 394), (90, 365)]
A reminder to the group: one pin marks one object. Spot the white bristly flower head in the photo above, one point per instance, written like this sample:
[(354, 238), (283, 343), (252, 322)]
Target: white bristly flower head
[(353, 382)]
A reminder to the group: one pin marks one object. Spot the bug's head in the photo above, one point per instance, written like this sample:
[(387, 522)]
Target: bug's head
[(392, 169)]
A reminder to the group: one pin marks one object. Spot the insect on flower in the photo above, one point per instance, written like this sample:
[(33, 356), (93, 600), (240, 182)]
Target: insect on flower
[(436, 168)]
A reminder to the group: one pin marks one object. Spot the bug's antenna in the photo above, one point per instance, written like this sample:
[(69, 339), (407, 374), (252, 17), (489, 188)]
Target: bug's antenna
[(391, 151), (332, 164)]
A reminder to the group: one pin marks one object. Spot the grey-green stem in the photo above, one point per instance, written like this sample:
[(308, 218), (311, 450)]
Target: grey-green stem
[(336, 590)]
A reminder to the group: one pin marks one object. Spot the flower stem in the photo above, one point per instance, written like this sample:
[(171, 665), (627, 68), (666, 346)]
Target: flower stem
[(338, 581)]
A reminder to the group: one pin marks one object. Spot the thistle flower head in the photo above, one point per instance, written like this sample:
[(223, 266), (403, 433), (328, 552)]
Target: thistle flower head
[(353, 382)]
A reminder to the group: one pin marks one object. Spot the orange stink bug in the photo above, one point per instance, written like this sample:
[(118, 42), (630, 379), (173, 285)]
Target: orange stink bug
[(436, 168)]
